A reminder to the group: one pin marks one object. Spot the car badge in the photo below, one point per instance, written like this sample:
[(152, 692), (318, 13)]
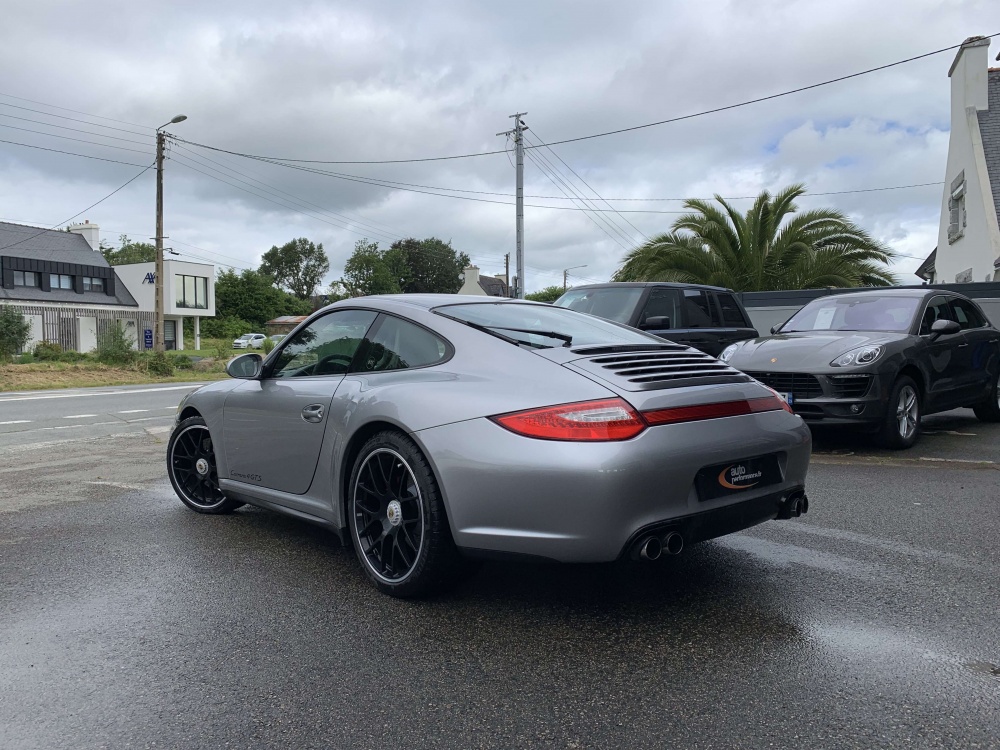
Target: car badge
[(773, 360)]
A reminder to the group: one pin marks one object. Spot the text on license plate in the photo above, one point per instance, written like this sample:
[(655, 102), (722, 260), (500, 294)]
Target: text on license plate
[(728, 479)]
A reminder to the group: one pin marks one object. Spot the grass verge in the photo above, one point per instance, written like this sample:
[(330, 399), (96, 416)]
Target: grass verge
[(48, 375)]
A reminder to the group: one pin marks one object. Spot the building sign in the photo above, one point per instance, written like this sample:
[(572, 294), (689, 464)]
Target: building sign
[(150, 278), (148, 337)]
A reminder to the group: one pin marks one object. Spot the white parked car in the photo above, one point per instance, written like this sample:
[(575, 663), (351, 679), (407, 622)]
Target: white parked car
[(249, 341)]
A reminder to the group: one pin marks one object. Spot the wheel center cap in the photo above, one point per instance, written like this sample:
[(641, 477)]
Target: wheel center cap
[(201, 466), (394, 512)]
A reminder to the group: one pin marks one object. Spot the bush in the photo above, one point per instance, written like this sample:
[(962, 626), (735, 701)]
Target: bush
[(14, 332), (114, 347), (182, 362), (225, 328), (47, 351), (25, 359), (223, 352), (71, 356), (160, 364), (268, 346)]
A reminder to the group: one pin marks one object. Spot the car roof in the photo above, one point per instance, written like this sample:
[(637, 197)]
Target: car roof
[(917, 292), (429, 301), (643, 284)]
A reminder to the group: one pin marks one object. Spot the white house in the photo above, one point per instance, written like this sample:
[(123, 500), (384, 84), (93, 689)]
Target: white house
[(968, 247), (188, 292), (473, 283), (63, 286)]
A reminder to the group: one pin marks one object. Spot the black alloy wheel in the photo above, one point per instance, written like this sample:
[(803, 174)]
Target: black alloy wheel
[(398, 524), (192, 469), (989, 410)]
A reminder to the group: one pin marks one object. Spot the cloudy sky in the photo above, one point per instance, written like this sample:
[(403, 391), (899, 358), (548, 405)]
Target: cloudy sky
[(391, 80)]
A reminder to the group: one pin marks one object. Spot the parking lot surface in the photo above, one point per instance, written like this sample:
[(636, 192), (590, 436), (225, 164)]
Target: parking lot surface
[(127, 621)]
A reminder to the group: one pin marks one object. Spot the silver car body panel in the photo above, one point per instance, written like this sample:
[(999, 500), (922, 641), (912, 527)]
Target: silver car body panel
[(503, 492)]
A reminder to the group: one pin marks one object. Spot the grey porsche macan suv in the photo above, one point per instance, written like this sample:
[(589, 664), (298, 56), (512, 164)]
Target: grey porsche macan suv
[(425, 429)]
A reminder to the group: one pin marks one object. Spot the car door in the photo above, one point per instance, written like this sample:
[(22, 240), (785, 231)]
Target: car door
[(979, 356), (701, 321), (735, 325), (944, 357), (660, 314), (273, 427)]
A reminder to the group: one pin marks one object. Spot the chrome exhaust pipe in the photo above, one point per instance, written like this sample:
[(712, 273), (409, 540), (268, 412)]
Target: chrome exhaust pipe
[(673, 543), (650, 549)]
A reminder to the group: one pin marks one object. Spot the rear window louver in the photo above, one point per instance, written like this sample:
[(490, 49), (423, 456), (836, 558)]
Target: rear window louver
[(659, 367)]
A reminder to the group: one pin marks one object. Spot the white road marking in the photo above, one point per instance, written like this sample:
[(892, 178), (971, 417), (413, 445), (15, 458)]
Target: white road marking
[(17, 421), (120, 485), (79, 416), (185, 387), (132, 411), (158, 430)]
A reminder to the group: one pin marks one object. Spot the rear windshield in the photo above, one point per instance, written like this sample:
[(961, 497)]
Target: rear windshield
[(613, 303), (849, 313), (544, 326)]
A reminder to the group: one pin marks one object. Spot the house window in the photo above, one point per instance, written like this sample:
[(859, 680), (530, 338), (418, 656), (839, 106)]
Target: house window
[(25, 278), (93, 284), (956, 209), (192, 291), (60, 281)]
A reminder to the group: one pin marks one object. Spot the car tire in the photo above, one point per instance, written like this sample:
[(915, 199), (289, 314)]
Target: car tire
[(192, 469), (989, 410), (397, 519), (901, 425)]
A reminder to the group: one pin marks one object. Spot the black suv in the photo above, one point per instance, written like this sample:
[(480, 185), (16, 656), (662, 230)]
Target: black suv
[(708, 318)]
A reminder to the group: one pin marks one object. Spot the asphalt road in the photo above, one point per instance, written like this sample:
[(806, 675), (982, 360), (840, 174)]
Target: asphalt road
[(127, 621)]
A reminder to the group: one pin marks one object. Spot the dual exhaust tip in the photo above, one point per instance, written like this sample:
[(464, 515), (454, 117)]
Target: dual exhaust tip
[(795, 506), (652, 547)]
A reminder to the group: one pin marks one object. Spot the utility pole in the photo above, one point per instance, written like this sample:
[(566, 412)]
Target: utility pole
[(566, 274), (159, 344), (506, 271), (518, 133)]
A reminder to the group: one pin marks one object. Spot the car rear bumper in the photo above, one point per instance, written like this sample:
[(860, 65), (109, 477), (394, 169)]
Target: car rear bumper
[(586, 502)]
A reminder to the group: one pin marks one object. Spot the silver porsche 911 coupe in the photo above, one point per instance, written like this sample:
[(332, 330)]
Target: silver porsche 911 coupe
[(427, 429)]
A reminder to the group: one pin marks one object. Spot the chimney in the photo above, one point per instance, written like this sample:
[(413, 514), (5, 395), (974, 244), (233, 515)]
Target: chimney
[(89, 232), (968, 75), (472, 275)]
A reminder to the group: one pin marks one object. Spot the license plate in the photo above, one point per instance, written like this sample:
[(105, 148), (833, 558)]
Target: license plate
[(786, 397), (724, 480)]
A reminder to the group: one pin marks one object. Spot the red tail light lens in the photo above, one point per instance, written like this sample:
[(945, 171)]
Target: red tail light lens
[(608, 419), (715, 411)]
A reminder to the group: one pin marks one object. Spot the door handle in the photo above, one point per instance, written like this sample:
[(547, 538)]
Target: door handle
[(313, 413), (962, 346)]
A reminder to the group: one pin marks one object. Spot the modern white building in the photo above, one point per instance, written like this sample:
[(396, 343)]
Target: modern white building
[(968, 247), (188, 292)]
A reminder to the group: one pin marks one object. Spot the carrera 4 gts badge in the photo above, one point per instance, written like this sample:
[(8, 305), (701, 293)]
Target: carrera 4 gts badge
[(246, 477), (736, 477)]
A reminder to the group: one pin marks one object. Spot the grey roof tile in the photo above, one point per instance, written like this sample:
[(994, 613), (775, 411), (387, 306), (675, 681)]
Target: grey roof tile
[(989, 127), (20, 241)]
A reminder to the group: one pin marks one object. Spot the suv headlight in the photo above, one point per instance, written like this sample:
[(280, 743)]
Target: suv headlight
[(728, 352), (864, 355)]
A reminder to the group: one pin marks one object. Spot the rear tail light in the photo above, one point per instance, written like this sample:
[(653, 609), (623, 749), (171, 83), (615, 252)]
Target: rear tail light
[(609, 419), (615, 419)]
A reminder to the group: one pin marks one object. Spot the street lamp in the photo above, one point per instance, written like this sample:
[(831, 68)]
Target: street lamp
[(566, 273), (158, 342)]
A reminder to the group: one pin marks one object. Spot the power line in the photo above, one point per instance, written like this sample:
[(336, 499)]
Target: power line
[(67, 109), (71, 153), (72, 119), (619, 130), (66, 221), (71, 138), (75, 130)]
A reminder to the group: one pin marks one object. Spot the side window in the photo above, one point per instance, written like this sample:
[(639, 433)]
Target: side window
[(697, 309), (937, 309), (731, 313), (966, 314), (324, 347), (398, 345), (662, 303)]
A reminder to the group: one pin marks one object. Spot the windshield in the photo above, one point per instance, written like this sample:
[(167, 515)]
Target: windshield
[(544, 326), (245, 337), (613, 303), (850, 313)]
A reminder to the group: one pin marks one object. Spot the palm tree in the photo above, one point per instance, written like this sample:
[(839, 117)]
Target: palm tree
[(720, 246)]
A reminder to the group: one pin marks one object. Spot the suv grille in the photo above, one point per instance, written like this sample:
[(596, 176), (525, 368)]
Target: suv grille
[(661, 367), (799, 384)]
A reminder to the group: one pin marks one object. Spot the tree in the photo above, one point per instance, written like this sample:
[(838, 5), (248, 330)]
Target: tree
[(548, 294), (15, 331), (299, 266), (771, 247), (253, 297), (368, 271), (129, 252), (432, 266)]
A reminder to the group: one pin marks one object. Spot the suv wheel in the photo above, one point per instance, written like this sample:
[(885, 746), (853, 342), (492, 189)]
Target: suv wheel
[(901, 424), (989, 410)]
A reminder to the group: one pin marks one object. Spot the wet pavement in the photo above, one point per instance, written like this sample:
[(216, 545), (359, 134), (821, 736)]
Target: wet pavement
[(127, 621)]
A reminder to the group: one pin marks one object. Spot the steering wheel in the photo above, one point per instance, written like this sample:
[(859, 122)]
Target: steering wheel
[(323, 366)]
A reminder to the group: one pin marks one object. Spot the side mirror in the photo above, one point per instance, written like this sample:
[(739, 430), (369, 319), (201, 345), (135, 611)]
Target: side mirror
[(775, 329), (656, 322), (245, 366), (944, 328)]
